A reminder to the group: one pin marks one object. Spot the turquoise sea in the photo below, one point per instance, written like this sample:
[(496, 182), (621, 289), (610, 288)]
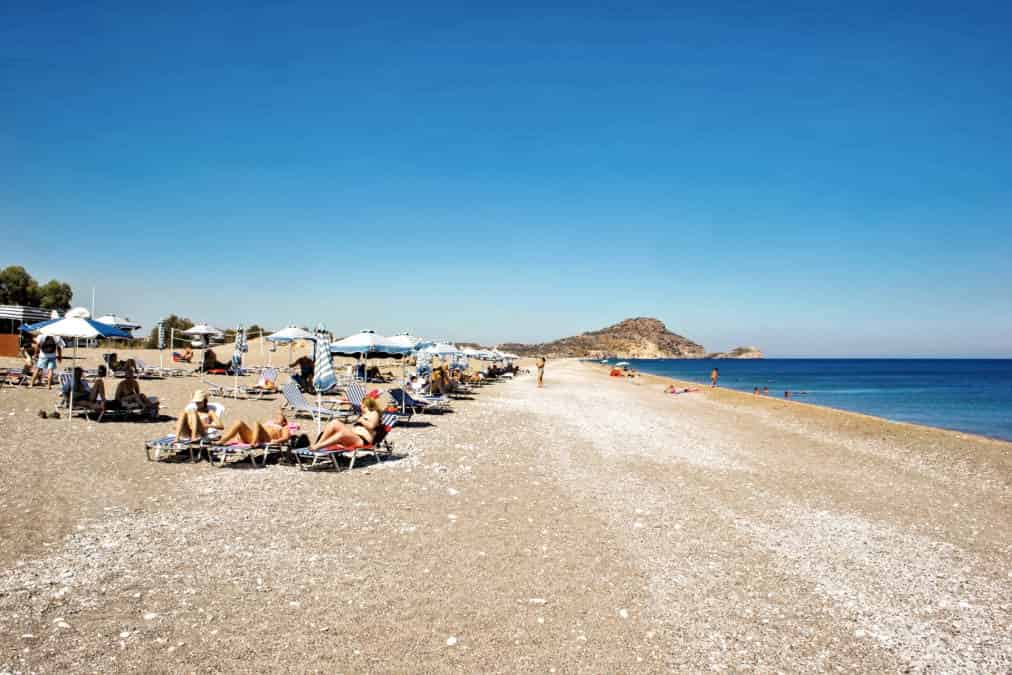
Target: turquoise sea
[(972, 395)]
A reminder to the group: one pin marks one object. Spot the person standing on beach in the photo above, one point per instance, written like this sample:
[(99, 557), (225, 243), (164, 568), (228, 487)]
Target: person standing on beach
[(540, 363), (714, 376)]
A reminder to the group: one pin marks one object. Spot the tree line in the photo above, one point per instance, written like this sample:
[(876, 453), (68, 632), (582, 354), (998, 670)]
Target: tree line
[(18, 287)]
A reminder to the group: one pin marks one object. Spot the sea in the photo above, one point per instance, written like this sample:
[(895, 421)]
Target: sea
[(971, 395)]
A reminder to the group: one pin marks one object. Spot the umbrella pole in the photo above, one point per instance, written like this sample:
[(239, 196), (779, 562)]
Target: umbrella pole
[(318, 415), (70, 406)]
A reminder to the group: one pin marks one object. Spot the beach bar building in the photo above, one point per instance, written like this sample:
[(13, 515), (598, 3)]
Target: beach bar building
[(11, 319)]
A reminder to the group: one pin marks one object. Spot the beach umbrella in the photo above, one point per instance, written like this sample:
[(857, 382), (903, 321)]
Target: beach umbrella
[(204, 331), (77, 324), (323, 372), (239, 349), (161, 343), (118, 321), (368, 343), (288, 336)]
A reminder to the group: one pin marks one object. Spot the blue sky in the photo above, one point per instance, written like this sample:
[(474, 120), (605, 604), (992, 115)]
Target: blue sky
[(814, 179)]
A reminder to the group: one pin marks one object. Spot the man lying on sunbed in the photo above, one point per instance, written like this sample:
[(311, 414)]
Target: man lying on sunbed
[(197, 418), (274, 430), (358, 435)]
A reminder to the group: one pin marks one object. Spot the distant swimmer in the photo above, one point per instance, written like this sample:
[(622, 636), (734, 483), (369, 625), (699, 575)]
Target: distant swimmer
[(766, 391), (787, 394), (714, 376), (755, 392)]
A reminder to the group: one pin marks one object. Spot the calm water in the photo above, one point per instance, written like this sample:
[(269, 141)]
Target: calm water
[(973, 395)]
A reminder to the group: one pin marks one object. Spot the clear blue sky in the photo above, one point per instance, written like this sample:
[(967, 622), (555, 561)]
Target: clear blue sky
[(816, 180)]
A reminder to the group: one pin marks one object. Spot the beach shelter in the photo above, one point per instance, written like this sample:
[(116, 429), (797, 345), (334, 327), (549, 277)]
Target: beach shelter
[(369, 343), (77, 324), (288, 336), (119, 322), (204, 331), (323, 372)]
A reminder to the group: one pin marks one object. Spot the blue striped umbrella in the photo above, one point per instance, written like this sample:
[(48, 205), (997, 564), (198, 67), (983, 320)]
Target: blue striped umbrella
[(323, 367), (323, 371)]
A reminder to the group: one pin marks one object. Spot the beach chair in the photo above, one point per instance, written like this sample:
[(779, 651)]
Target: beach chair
[(233, 453), (309, 459), (146, 372), (420, 403), (301, 408), (66, 382), (170, 447), (14, 377)]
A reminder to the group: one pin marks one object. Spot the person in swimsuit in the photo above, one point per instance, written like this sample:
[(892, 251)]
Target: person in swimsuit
[(128, 392), (274, 430), (714, 376), (358, 435), (90, 397), (197, 418)]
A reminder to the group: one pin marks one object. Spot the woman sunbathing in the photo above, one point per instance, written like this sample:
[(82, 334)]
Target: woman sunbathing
[(197, 418), (358, 435), (274, 430)]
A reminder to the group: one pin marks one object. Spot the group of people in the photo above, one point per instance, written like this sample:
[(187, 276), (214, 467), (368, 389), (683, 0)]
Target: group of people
[(92, 395), (199, 417)]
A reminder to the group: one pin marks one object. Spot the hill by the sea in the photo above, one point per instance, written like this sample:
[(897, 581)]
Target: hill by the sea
[(639, 338)]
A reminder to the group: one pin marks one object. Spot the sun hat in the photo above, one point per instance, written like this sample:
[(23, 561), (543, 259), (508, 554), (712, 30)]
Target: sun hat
[(199, 395)]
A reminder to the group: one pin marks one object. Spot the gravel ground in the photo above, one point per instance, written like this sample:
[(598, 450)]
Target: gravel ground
[(593, 525)]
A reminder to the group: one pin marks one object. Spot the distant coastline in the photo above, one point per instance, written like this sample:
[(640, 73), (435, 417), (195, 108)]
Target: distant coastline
[(965, 396)]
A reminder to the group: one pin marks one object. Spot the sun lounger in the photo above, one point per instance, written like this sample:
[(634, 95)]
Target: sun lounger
[(420, 403), (170, 447), (301, 408), (233, 453), (313, 459)]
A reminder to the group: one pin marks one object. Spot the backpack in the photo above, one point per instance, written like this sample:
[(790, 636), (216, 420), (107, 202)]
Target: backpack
[(48, 345)]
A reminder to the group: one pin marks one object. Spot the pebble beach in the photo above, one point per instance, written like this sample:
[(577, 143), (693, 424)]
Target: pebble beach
[(595, 525)]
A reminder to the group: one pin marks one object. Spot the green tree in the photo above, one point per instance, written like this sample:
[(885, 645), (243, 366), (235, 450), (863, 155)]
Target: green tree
[(54, 295), (17, 287), (170, 322)]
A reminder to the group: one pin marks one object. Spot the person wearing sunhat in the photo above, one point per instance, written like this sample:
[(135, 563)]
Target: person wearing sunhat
[(197, 418)]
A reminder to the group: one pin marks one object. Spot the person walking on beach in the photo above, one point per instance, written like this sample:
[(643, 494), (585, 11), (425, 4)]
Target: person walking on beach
[(50, 351), (714, 376), (540, 363)]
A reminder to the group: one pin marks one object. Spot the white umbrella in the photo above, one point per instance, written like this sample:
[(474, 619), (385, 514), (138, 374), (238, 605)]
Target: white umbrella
[(368, 343), (289, 335), (204, 330)]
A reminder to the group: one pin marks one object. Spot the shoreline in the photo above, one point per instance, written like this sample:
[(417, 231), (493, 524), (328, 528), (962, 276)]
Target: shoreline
[(594, 524), (667, 379)]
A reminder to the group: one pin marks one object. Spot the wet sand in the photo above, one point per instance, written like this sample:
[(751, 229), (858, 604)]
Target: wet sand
[(593, 525)]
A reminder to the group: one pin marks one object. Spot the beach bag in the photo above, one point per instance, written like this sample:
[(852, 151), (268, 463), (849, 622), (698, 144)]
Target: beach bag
[(300, 441)]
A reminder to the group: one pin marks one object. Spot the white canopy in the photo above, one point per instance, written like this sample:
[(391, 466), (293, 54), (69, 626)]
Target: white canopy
[(367, 342), (441, 349), (405, 340), (118, 321), (203, 329), (290, 334)]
